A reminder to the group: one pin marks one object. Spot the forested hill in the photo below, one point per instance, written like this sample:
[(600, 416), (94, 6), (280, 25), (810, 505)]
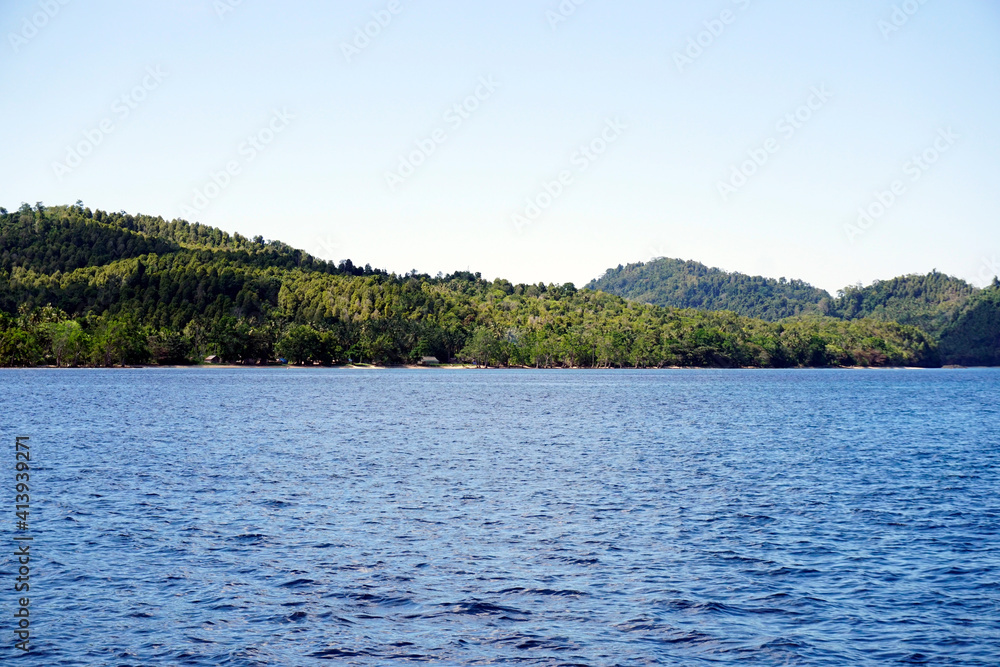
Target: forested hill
[(61, 239), (963, 319), (82, 287), (932, 302), (676, 283), (949, 309), (974, 337)]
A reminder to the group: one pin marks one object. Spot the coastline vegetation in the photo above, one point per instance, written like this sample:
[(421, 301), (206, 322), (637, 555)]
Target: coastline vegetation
[(92, 288), (964, 319)]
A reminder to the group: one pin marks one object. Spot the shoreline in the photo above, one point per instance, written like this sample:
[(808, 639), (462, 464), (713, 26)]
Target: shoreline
[(487, 368)]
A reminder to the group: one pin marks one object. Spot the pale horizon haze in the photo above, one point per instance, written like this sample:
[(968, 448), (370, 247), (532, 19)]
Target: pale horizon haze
[(529, 140)]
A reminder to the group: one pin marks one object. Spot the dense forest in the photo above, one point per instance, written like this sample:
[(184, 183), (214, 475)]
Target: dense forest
[(974, 337), (674, 283), (932, 302), (81, 287), (962, 317)]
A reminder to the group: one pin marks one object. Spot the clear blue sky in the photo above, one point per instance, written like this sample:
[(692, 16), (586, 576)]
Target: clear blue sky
[(673, 129)]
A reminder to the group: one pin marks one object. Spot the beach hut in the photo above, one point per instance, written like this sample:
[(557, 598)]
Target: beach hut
[(212, 359), (428, 361)]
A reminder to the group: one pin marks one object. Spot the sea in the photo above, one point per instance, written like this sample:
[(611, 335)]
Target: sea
[(311, 516)]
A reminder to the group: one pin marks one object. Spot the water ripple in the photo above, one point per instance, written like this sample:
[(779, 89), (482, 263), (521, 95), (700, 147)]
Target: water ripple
[(315, 517)]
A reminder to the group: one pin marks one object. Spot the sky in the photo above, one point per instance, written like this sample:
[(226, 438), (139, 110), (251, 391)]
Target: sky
[(837, 141)]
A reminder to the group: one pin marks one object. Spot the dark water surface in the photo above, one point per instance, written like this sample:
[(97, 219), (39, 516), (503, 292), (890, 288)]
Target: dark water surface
[(315, 517)]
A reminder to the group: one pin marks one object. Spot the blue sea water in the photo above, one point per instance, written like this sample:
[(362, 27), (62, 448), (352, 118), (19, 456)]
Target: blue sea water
[(324, 516)]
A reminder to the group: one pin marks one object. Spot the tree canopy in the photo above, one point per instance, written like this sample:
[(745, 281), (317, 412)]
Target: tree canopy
[(676, 283), (948, 309), (91, 288)]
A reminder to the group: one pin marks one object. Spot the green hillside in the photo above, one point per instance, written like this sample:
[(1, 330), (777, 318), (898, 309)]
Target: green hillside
[(948, 309), (931, 302), (974, 337), (963, 319), (675, 283), (82, 287)]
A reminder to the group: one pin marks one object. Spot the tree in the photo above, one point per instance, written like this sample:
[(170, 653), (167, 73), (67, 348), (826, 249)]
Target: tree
[(19, 348), (228, 339), (169, 347), (120, 341), (301, 344), (69, 343), (482, 347)]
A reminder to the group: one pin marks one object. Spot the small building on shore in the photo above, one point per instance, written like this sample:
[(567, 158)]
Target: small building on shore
[(429, 361), (213, 359)]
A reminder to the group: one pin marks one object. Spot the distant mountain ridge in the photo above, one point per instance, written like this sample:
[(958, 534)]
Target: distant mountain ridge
[(974, 337), (932, 301), (677, 283), (966, 319)]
